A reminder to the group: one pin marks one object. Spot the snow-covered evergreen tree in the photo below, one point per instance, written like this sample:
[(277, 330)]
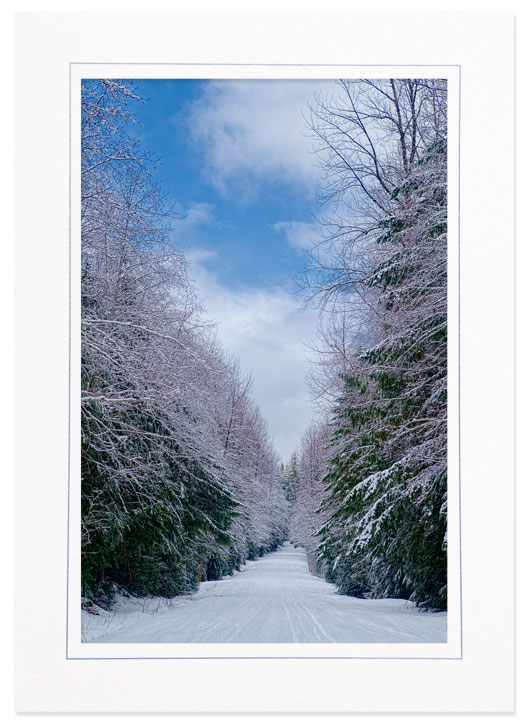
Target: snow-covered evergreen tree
[(382, 267), (179, 480)]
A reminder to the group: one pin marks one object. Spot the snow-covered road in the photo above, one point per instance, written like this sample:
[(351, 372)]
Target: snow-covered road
[(273, 599)]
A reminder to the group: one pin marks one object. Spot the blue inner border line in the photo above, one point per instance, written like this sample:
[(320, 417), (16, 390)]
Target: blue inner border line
[(459, 368), (265, 65)]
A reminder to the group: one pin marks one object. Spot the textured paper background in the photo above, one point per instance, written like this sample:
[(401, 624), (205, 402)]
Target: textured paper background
[(482, 679)]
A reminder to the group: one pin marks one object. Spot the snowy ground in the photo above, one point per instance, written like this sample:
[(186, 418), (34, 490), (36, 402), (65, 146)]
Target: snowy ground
[(273, 599)]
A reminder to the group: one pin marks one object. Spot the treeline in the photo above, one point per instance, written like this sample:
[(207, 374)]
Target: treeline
[(370, 502), (179, 479)]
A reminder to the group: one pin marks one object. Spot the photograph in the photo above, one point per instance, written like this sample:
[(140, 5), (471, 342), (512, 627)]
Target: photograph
[(264, 360)]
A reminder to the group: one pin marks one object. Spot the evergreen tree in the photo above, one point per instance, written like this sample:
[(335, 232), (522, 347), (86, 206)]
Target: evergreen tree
[(385, 527)]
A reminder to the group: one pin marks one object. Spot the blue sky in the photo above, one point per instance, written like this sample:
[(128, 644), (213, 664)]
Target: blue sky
[(237, 163)]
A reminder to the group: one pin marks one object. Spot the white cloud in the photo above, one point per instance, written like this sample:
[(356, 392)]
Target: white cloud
[(196, 256), (194, 216), (300, 235), (250, 130), (266, 330), (197, 213)]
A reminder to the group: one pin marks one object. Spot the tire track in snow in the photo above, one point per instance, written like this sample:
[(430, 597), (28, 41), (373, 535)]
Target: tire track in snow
[(274, 599)]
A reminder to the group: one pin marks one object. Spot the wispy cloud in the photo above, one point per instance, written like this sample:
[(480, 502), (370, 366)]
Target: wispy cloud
[(299, 235), (193, 219), (253, 130), (266, 330), (197, 214)]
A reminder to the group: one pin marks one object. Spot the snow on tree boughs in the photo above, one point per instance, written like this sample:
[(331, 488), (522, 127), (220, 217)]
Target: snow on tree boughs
[(379, 275), (179, 480)]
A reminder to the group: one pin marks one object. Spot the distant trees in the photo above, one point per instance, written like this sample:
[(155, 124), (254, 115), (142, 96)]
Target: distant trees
[(311, 465), (379, 276), (179, 480)]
